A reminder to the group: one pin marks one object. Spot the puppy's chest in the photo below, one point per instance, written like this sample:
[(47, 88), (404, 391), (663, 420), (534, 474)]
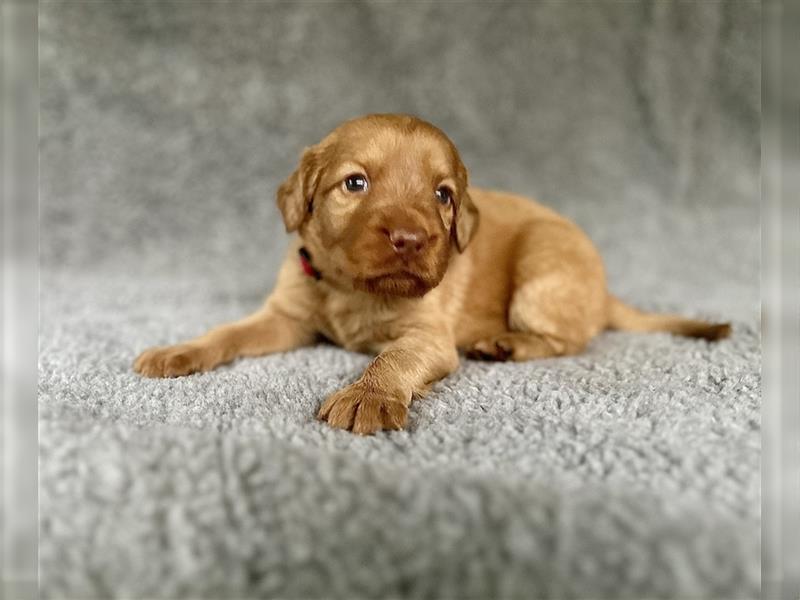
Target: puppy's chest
[(358, 325)]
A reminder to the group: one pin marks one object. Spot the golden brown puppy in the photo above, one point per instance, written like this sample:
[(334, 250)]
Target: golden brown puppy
[(397, 256)]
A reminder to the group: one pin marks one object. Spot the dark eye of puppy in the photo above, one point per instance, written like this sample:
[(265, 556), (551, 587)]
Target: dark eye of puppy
[(444, 195), (356, 183)]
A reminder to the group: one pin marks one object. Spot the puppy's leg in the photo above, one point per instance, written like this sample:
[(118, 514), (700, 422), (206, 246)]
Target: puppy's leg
[(263, 332), (559, 298), (520, 346), (545, 318), (380, 398)]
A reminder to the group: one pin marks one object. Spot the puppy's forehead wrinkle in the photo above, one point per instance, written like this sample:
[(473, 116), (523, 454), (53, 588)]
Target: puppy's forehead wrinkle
[(377, 142)]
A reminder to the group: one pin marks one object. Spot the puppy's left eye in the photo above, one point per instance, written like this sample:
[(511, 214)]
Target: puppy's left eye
[(356, 183), (444, 195)]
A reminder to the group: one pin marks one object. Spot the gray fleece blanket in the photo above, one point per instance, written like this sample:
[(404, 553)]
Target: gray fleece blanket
[(629, 471)]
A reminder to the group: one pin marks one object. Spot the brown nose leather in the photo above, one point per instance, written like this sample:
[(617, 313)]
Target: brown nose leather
[(407, 241)]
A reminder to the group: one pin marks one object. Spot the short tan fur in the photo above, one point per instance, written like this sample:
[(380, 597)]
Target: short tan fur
[(415, 265)]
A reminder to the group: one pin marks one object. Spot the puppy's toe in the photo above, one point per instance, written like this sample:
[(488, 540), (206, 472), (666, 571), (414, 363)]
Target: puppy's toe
[(170, 361), (394, 415), (150, 363), (325, 409), (368, 418), (340, 411), (491, 349)]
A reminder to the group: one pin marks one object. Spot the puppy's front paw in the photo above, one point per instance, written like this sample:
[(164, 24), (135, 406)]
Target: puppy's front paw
[(172, 361), (363, 409)]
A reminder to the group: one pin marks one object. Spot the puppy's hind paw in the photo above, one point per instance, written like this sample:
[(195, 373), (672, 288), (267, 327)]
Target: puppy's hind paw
[(490, 350)]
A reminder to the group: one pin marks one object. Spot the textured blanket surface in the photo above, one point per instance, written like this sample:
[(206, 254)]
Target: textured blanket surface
[(630, 471)]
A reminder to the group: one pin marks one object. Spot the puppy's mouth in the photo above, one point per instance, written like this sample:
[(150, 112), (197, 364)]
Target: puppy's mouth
[(404, 284)]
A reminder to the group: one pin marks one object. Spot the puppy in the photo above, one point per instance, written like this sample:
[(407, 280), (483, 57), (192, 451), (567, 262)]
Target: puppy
[(397, 255)]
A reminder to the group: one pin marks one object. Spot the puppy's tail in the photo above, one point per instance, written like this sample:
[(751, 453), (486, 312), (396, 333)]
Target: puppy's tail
[(626, 318)]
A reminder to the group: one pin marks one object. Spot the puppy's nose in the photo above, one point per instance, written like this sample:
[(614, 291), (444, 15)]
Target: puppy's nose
[(408, 241)]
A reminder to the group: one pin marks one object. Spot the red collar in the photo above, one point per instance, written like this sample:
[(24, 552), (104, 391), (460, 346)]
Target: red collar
[(305, 262)]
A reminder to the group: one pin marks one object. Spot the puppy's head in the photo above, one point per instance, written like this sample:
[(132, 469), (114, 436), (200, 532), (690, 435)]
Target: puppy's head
[(381, 203)]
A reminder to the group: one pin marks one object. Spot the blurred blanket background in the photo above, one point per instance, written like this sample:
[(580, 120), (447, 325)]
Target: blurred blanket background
[(632, 470)]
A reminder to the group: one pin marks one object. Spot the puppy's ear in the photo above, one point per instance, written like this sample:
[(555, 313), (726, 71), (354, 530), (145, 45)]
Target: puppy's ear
[(465, 221), (465, 213), (296, 193)]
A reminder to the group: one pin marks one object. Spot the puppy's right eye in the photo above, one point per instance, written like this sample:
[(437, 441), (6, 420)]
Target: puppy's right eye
[(356, 183)]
